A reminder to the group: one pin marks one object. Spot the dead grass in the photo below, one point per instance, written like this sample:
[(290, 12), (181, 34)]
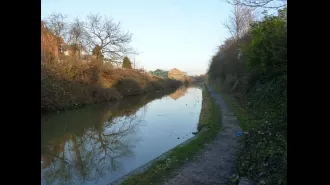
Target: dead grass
[(73, 83)]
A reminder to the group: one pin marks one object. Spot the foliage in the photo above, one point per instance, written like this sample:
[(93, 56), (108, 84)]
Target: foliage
[(127, 63), (160, 73), (267, 55), (74, 83), (252, 72), (97, 34), (265, 4), (69, 81), (97, 51)]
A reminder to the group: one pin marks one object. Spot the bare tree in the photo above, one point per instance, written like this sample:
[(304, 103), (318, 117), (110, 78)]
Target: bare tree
[(55, 22), (259, 3), (108, 35), (78, 36), (239, 21)]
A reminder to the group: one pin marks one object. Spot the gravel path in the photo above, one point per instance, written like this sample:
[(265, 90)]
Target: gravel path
[(216, 162)]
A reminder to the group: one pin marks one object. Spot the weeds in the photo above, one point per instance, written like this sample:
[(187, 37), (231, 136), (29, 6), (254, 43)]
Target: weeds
[(254, 85), (73, 83)]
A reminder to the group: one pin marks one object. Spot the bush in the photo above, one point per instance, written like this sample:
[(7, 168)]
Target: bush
[(127, 63), (73, 83), (254, 71)]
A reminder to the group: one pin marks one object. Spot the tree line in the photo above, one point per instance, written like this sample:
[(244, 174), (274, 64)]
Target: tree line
[(251, 67), (96, 34)]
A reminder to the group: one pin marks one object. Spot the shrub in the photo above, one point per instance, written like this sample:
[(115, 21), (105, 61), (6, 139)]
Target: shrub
[(73, 83), (254, 71)]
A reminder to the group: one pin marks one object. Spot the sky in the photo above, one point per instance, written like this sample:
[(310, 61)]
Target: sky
[(168, 34)]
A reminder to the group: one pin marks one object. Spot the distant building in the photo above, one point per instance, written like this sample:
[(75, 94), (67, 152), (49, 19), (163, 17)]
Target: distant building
[(49, 43), (177, 74), (65, 49), (68, 50)]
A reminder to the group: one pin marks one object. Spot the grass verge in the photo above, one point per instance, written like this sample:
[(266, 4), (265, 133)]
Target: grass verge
[(263, 157), (240, 112), (160, 169)]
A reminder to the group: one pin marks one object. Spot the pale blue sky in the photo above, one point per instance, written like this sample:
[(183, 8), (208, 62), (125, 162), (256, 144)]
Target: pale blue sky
[(168, 33)]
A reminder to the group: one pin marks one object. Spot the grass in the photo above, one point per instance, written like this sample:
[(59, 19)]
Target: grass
[(241, 113), (73, 83), (263, 157), (161, 169)]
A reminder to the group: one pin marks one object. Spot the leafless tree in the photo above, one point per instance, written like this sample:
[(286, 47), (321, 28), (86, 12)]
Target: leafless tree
[(108, 35), (78, 36), (259, 3), (239, 21), (55, 22)]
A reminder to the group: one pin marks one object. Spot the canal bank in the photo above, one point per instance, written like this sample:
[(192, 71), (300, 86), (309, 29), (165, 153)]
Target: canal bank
[(71, 85), (100, 143), (162, 168)]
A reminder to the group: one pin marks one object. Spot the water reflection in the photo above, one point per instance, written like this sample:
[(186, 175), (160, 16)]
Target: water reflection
[(90, 156), (179, 93), (90, 145)]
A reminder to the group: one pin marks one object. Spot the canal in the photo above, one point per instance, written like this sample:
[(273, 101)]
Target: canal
[(100, 143)]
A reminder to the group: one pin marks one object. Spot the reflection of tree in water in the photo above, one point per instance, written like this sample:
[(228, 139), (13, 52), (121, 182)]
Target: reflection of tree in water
[(179, 93), (85, 144), (91, 156)]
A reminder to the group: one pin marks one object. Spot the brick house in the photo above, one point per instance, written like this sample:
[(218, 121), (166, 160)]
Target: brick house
[(177, 74), (49, 44)]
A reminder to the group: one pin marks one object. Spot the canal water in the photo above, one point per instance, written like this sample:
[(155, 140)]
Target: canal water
[(100, 143)]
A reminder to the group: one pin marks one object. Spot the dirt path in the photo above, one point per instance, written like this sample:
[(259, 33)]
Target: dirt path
[(216, 162)]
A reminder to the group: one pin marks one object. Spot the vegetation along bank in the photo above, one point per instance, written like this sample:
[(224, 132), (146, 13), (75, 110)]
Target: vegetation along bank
[(250, 70), (82, 64)]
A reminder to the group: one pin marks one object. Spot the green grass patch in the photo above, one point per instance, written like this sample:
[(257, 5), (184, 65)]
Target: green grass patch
[(160, 170), (263, 156), (241, 113)]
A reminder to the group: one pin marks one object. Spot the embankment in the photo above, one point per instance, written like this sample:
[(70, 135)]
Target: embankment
[(73, 83), (159, 170), (95, 116), (263, 157), (251, 73)]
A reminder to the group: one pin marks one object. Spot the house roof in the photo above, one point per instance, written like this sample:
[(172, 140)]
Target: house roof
[(175, 71)]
